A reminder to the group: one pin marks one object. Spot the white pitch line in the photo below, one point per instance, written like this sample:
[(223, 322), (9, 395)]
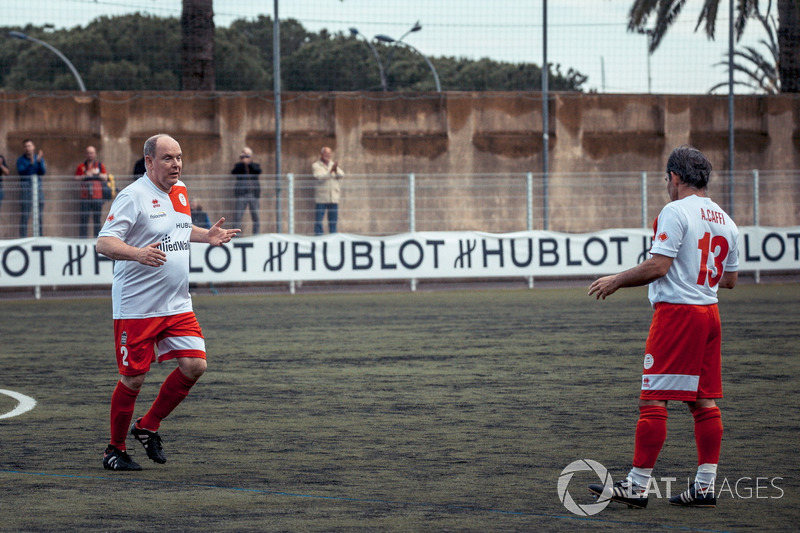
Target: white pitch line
[(26, 403)]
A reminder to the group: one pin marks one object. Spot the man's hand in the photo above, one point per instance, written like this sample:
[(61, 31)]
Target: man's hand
[(656, 267), (217, 235), (151, 255), (605, 286)]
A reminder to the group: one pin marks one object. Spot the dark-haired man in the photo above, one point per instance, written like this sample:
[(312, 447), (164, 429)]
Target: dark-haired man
[(694, 252)]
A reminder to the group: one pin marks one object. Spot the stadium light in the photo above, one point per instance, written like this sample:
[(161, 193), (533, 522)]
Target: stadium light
[(387, 39), (415, 28), (354, 32), (24, 37)]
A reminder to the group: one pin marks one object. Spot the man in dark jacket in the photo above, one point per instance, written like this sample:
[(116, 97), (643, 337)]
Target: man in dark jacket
[(30, 164), (247, 188)]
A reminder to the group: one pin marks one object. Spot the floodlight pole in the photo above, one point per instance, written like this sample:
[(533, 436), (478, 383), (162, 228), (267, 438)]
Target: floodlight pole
[(731, 132), (415, 28), (545, 122), (354, 32), (387, 39), (24, 37), (276, 69)]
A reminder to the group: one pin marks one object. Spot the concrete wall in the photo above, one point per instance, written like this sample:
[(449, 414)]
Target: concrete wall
[(379, 133)]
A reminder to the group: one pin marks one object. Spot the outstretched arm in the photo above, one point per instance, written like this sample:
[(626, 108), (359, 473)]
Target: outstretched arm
[(642, 274), (216, 235)]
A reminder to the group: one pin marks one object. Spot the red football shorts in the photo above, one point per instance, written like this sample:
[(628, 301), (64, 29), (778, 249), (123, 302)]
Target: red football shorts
[(142, 341), (683, 358)]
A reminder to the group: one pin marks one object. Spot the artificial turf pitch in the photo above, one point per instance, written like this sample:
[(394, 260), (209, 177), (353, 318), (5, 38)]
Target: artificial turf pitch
[(428, 411)]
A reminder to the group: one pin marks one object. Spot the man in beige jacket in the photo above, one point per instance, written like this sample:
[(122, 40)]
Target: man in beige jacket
[(328, 175)]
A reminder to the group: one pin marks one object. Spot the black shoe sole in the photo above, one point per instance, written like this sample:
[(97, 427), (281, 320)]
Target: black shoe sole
[(632, 503), (703, 505)]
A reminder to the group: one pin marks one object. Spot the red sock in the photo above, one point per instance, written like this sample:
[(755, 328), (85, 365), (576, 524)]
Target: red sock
[(707, 434), (651, 432), (174, 389), (123, 401)]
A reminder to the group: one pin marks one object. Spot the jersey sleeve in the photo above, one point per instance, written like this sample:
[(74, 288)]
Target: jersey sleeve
[(120, 218), (669, 234), (732, 261)]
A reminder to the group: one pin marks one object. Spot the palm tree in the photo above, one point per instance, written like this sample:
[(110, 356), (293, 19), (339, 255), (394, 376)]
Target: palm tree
[(667, 11), (761, 74), (197, 46)]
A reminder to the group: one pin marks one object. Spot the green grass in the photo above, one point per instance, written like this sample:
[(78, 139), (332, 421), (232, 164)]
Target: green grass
[(432, 411)]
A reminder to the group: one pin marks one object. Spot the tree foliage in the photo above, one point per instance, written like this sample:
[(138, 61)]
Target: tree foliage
[(760, 73), (143, 52), (666, 12)]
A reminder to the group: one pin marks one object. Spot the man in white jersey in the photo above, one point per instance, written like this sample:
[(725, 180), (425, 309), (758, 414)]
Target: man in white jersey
[(694, 252), (147, 233)]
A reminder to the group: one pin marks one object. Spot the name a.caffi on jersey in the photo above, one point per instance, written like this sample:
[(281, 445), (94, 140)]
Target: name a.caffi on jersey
[(712, 216)]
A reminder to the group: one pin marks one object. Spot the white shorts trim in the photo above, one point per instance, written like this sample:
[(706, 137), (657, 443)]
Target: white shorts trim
[(181, 343), (681, 382)]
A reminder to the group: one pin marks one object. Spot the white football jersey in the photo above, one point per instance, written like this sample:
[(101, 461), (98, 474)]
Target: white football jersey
[(704, 241), (143, 214)]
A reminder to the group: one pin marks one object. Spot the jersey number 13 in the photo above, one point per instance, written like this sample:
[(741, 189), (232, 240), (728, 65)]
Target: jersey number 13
[(718, 246)]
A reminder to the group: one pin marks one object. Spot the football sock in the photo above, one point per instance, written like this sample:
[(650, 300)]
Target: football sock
[(123, 402), (706, 475), (651, 432), (174, 389), (707, 434), (640, 477)]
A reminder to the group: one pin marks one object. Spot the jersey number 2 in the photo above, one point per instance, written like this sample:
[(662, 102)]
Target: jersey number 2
[(718, 246), (124, 351)]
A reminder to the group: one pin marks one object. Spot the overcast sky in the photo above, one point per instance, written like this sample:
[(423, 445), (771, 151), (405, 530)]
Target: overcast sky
[(587, 35)]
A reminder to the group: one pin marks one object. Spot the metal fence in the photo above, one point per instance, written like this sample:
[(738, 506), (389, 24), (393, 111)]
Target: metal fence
[(391, 204)]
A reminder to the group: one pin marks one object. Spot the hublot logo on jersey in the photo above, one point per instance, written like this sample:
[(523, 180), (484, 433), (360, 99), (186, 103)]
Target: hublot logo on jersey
[(183, 225)]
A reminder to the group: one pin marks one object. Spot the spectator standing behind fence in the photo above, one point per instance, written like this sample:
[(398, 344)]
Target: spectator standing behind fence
[(91, 173), (3, 172), (138, 169), (247, 189), (30, 164), (199, 217), (328, 175)]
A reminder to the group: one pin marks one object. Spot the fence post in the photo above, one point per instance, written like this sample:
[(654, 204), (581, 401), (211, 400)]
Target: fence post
[(37, 230), (290, 214), (412, 215), (529, 194), (644, 199), (290, 201), (545, 202), (756, 212)]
